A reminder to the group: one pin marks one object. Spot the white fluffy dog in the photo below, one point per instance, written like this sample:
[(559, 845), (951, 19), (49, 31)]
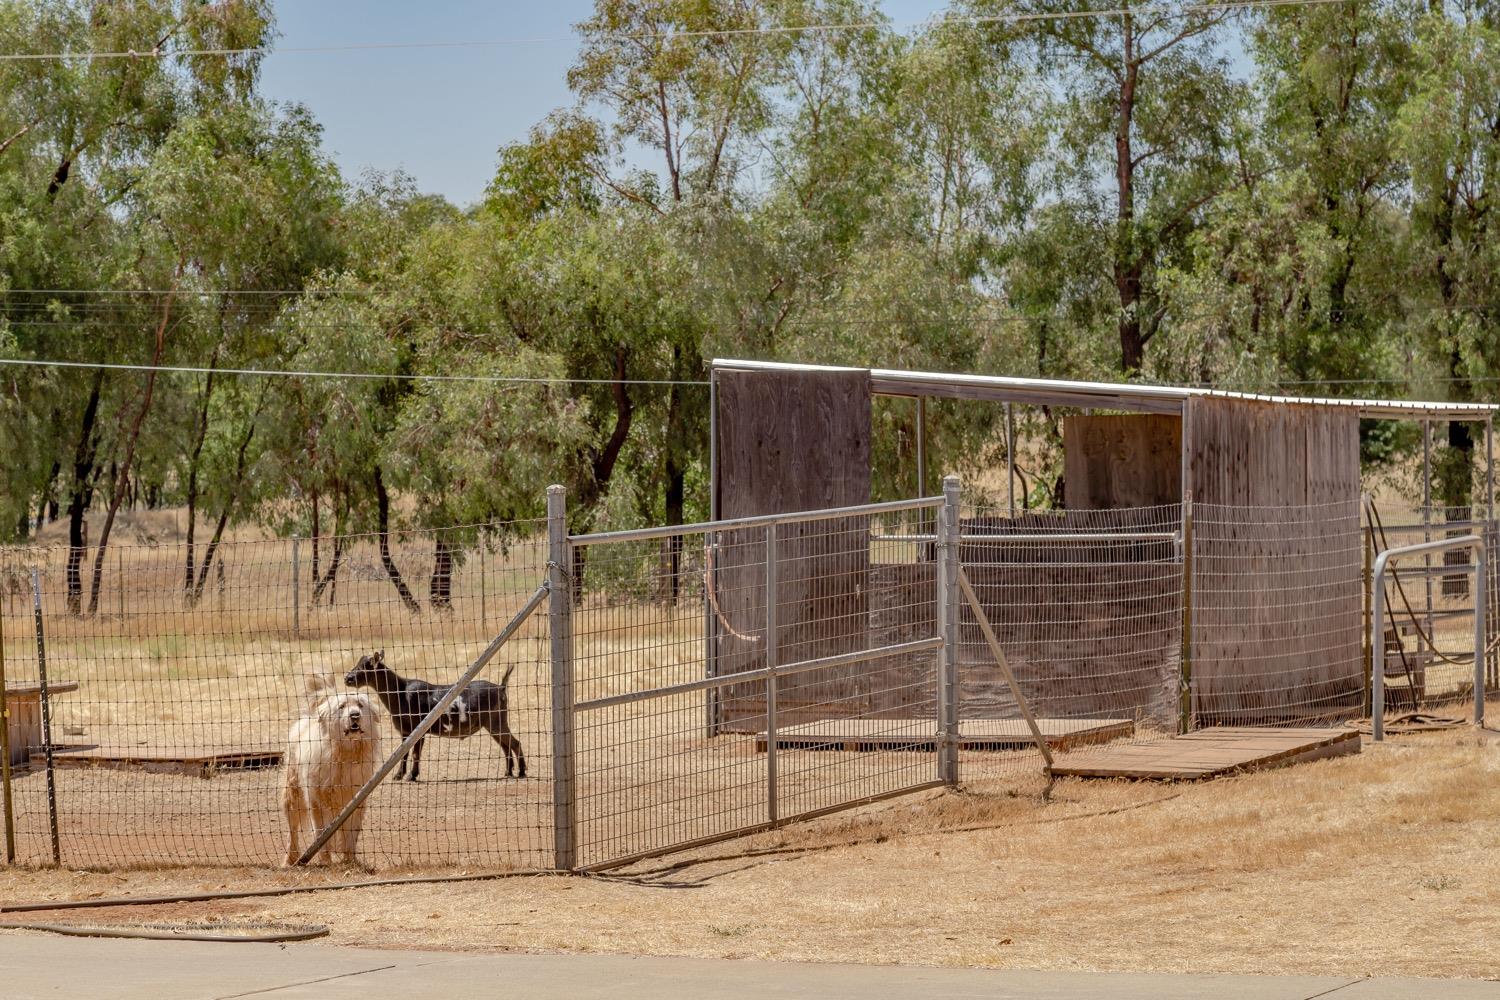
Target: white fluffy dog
[(331, 752)]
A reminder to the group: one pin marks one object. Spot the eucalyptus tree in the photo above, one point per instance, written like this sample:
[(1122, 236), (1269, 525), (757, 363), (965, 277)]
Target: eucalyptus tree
[(1142, 105), (1332, 79), (77, 133), (1447, 135)]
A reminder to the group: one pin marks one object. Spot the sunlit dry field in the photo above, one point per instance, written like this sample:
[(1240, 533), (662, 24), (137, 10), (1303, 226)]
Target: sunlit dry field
[(1381, 863)]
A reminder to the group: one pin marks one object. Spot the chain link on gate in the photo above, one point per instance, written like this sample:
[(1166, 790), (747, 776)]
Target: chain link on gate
[(731, 676)]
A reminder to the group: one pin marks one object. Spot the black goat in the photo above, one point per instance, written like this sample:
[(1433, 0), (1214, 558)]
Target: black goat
[(482, 705)]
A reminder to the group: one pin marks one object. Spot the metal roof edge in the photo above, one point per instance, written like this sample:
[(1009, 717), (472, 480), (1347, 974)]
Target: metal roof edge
[(1111, 395)]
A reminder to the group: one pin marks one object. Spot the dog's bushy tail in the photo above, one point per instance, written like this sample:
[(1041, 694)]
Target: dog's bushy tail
[(505, 680)]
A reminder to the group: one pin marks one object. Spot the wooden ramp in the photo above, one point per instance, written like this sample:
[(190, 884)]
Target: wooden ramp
[(1208, 753), (921, 734), (192, 761)]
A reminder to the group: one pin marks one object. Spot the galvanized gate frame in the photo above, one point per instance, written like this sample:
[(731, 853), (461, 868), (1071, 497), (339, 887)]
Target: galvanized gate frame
[(941, 644), (1377, 619)]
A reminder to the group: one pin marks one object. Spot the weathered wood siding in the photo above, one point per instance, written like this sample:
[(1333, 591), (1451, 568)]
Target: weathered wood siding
[(1277, 581), (793, 441), (1122, 460)]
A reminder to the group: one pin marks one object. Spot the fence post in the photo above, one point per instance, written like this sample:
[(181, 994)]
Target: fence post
[(560, 610), (41, 666), (296, 585), (1185, 722), (1481, 644), (948, 608), (1367, 548), (10, 815), (773, 810), (484, 610)]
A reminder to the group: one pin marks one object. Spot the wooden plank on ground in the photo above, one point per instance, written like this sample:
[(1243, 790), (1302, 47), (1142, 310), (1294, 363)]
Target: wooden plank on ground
[(200, 762), (921, 734), (1208, 753)]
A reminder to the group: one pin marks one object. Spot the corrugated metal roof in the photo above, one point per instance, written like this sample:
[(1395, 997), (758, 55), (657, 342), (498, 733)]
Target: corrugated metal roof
[(1131, 396)]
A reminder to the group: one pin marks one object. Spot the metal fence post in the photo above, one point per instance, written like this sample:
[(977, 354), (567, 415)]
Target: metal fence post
[(41, 667), (1367, 548), (773, 810), (560, 611), (948, 609), (1185, 722), (10, 815), (296, 585), (1481, 641)]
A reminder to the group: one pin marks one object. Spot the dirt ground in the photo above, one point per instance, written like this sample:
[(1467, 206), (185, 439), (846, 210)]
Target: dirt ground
[(1382, 863)]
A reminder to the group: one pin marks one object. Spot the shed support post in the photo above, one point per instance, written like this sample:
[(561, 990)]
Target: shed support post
[(921, 446), (1489, 466), (948, 605), (1185, 695), (1010, 460), (560, 611), (710, 541)]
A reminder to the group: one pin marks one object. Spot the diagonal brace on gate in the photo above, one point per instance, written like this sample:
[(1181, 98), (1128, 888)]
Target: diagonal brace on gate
[(1010, 678), (429, 720)]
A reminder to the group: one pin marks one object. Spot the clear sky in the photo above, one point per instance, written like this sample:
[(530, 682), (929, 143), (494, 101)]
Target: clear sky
[(440, 114)]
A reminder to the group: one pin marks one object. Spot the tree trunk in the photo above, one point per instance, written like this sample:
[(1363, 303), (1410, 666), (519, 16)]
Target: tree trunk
[(81, 496), (196, 593), (602, 461), (675, 487), (383, 527), (329, 581), (316, 534), (1128, 265), (199, 437), (122, 474), (440, 587)]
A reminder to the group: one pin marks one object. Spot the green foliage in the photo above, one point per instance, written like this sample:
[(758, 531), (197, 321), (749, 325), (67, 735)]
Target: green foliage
[(1078, 197)]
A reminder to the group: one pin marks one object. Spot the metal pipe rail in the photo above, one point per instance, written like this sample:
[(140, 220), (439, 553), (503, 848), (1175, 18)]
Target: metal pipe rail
[(760, 521), (1041, 538), (1377, 620)]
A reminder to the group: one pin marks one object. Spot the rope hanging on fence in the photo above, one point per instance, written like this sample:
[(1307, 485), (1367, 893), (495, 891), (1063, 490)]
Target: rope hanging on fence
[(713, 597)]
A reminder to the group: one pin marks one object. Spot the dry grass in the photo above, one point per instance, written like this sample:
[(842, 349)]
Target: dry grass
[(1383, 863)]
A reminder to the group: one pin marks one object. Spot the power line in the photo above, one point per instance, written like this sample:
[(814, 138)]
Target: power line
[(373, 376), (1186, 10)]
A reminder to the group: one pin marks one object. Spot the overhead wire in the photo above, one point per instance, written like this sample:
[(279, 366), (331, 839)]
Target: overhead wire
[(1017, 17), (376, 376)]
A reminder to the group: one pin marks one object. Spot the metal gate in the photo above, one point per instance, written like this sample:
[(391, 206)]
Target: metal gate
[(705, 675)]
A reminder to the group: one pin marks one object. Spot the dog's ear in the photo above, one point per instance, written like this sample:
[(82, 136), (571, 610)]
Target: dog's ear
[(318, 688)]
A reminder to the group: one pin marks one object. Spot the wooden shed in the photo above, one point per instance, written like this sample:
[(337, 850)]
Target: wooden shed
[(1263, 494)]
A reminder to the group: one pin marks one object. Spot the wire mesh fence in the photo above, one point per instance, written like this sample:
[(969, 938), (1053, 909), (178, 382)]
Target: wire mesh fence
[(728, 679), (1088, 610), (1277, 611), (688, 683), (172, 711)]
